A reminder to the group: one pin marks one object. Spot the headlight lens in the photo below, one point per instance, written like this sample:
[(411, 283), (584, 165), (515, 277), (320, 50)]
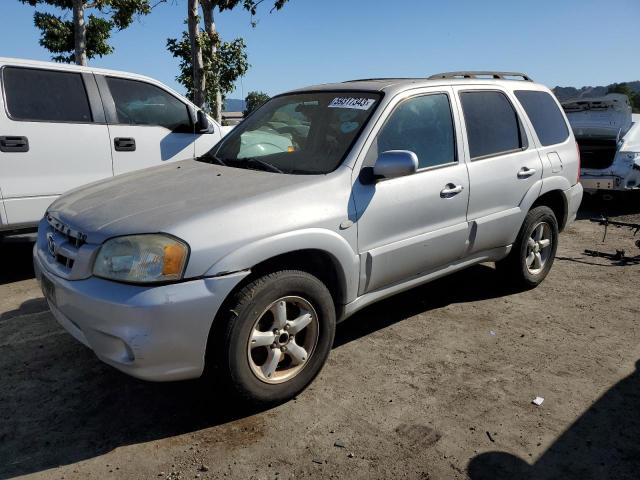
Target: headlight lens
[(142, 259)]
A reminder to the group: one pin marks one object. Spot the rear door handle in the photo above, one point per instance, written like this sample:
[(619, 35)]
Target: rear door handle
[(124, 144), (450, 190), (14, 144), (526, 172)]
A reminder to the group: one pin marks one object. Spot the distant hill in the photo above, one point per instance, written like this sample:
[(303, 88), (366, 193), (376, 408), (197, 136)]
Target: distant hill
[(234, 105), (567, 93)]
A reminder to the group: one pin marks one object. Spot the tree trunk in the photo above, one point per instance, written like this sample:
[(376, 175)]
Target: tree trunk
[(199, 80), (210, 28), (79, 32)]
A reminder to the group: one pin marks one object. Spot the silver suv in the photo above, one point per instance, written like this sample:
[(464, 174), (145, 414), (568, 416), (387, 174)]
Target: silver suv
[(323, 201)]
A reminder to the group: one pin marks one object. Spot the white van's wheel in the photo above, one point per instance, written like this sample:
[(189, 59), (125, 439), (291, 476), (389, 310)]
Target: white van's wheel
[(277, 337)]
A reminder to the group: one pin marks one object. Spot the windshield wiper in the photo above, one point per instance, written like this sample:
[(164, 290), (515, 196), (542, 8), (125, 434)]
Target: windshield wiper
[(267, 165), (213, 157)]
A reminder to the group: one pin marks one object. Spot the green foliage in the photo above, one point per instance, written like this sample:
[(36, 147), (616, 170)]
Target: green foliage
[(57, 33), (253, 100), (222, 69), (625, 89), (250, 6)]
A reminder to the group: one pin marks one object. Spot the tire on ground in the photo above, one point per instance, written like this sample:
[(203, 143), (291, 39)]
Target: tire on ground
[(230, 349), (514, 266)]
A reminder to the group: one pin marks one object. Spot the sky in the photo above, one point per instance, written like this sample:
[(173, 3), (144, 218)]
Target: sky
[(556, 42)]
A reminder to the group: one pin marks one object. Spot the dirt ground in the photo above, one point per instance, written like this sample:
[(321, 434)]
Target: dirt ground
[(435, 383)]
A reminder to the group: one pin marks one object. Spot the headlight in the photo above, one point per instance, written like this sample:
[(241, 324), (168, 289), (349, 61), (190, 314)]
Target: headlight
[(142, 259)]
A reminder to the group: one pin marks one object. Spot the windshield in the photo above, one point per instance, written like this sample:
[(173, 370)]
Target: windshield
[(306, 133)]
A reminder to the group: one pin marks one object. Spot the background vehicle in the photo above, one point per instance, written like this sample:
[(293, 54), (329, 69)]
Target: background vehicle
[(608, 135), (362, 189), (63, 126)]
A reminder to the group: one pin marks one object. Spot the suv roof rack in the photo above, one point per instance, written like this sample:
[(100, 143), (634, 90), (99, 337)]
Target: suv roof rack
[(481, 74)]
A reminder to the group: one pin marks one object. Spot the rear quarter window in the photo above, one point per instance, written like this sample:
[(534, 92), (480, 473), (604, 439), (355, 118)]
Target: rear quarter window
[(545, 116)]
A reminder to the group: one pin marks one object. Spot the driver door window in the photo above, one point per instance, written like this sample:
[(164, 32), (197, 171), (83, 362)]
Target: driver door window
[(153, 125), (139, 103), (422, 125)]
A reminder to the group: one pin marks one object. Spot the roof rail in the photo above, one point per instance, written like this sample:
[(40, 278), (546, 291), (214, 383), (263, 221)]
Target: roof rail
[(376, 79), (480, 74)]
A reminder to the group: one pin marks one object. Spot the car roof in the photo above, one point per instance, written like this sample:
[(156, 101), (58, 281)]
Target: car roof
[(394, 85), (77, 68), (68, 66)]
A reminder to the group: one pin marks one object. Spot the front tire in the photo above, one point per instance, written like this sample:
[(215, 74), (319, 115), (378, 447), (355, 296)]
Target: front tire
[(277, 335), (534, 250)]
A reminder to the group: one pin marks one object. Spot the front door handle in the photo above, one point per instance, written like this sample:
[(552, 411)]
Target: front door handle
[(14, 144), (450, 190), (124, 144), (526, 172)]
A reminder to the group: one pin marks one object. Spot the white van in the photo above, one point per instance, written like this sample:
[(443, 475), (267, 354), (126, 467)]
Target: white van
[(63, 126)]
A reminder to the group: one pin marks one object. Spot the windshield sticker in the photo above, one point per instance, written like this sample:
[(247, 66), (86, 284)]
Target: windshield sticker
[(350, 102)]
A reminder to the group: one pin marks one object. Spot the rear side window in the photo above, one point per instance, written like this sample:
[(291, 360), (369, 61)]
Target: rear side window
[(545, 116), (45, 95), (492, 124), (140, 103)]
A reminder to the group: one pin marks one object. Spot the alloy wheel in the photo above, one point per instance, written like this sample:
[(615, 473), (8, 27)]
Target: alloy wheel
[(283, 339), (538, 247)]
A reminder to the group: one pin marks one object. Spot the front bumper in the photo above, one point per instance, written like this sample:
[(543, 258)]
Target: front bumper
[(573, 198), (154, 333)]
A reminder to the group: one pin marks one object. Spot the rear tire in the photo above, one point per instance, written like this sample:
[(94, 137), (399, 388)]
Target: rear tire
[(534, 250), (276, 336)]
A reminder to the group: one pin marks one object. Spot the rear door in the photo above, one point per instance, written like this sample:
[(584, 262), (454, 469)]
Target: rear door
[(53, 138), (503, 165), (148, 125)]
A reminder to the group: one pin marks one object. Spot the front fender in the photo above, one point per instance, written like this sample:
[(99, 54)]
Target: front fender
[(346, 260)]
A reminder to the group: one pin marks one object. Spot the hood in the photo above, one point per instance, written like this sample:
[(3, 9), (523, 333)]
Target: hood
[(159, 198)]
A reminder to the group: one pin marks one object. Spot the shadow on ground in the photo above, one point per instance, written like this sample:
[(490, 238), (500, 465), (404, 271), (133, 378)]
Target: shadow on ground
[(604, 443), (17, 262), (61, 405), (612, 205)]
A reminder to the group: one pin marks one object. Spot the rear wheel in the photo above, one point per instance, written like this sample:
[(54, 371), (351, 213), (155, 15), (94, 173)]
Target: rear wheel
[(535, 248), (277, 336)]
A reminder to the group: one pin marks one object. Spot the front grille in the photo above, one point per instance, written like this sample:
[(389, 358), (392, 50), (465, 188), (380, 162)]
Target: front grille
[(63, 242), (72, 236)]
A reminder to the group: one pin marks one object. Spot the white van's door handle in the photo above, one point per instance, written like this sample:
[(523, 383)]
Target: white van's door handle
[(14, 144), (124, 144), (526, 172), (450, 190)]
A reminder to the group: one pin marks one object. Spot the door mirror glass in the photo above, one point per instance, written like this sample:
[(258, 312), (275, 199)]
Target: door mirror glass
[(203, 125), (395, 163)]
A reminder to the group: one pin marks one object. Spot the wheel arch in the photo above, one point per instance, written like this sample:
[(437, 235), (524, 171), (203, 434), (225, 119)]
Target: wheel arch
[(320, 252), (556, 201)]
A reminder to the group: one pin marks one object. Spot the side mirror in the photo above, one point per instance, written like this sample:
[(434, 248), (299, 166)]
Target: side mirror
[(395, 163), (203, 125)]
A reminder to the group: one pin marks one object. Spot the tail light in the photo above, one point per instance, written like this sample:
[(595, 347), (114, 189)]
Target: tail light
[(579, 162)]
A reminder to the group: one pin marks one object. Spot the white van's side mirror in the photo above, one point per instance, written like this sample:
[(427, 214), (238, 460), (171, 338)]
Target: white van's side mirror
[(203, 125)]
